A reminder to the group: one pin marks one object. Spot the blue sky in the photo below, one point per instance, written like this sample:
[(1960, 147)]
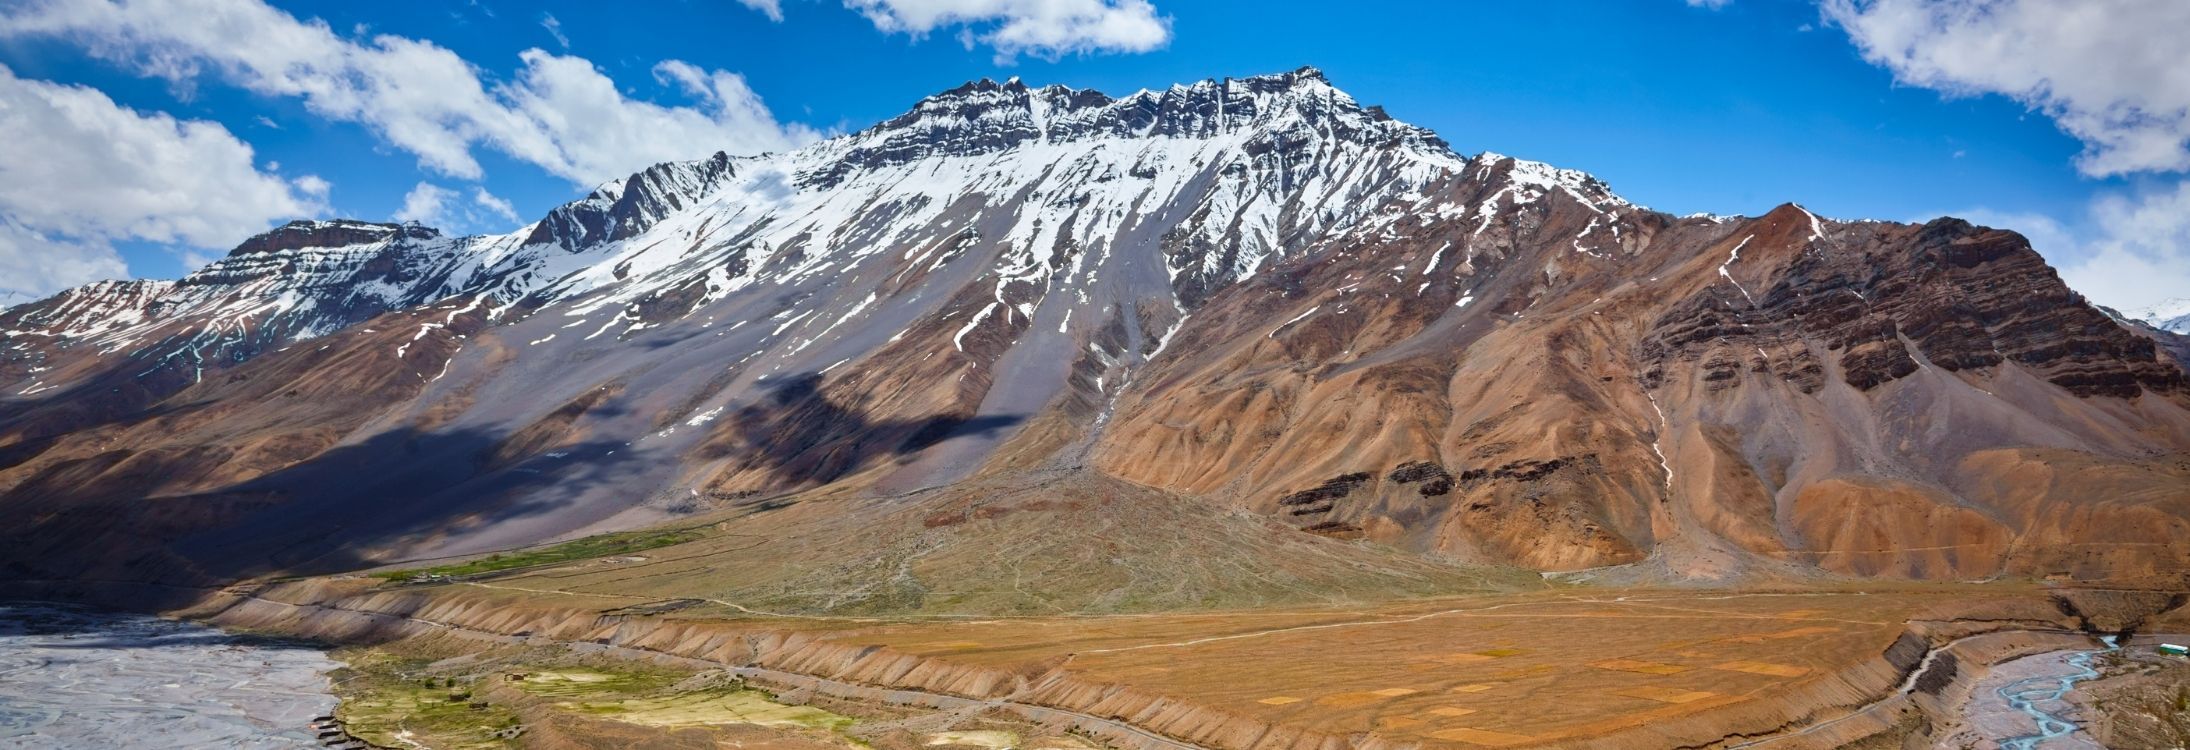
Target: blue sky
[(1720, 106)]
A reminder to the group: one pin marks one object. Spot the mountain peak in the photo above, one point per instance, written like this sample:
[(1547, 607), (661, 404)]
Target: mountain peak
[(984, 88), (304, 233), (1305, 76), (986, 116), (1088, 111), (988, 92)]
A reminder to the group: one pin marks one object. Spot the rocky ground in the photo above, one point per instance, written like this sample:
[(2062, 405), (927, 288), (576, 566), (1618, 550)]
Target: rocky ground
[(2141, 699)]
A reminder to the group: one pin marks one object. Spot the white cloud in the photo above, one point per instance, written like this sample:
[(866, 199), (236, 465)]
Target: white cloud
[(2142, 255), (772, 8), (198, 259), (554, 29), (448, 210), (1043, 28), (494, 204), (559, 112), (426, 203), (597, 134), (2129, 251), (312, 185), (80, 172), (2109, 72), (1711, 4), (34, 264)]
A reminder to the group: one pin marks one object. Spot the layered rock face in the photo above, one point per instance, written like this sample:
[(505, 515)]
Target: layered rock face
[(1702, 396), (1253, 291)]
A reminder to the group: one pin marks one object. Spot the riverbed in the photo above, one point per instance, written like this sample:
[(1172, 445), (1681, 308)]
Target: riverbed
[(72, 678), (2022, 705)]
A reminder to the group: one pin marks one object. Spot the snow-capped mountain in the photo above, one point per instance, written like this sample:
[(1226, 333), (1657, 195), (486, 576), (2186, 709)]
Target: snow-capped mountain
[(2172, 316), (1252, 290), (1059, 179), (299, 281), (1244, 170)]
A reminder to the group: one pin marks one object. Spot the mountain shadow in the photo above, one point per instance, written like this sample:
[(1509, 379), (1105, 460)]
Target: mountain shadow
[(353, 506), (799, 435)]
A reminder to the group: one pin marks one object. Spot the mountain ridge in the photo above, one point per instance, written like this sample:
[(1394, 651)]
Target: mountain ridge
[(617, 210), (1254, 292)]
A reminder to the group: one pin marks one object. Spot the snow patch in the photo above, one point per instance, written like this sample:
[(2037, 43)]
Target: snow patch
[(1297, 318), (1730, 258)]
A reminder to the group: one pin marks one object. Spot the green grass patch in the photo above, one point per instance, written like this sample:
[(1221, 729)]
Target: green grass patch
[(386, 700), (656, 699), (604, 545)]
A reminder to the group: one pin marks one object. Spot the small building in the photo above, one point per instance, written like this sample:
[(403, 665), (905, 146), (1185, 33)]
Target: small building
[(2169, 648)]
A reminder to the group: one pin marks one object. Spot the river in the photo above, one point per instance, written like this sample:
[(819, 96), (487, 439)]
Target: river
[(2022, 704), (71, 678)]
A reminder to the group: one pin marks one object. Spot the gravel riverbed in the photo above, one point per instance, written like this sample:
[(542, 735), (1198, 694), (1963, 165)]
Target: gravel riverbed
[(71, 678)]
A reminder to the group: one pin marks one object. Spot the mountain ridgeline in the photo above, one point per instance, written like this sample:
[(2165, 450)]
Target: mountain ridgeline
[(1255, 293)]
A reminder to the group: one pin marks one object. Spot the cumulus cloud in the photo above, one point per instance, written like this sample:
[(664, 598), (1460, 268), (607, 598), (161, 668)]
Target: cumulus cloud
[(80, 172), (597, 134), (558, 112), (494, 204), (2142, 256), (2110, 72), (312, 185), (426, 203), (451, 210), (35, 264), (1043, 28)]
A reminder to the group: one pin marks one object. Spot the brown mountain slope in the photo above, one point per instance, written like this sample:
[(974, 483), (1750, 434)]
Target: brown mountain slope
[(1847, 396), (1301, 310)]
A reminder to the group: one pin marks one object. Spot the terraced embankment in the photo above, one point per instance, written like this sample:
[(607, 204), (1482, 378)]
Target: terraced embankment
[(1572, 668), (1638, 669)]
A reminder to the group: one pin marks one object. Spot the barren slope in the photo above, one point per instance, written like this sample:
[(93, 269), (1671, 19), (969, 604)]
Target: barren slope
[(1255, 294)]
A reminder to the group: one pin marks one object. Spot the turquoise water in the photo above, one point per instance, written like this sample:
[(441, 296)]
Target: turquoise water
[(2043, 698)]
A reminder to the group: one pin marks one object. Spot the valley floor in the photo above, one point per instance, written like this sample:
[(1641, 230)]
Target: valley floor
[(1559, 668), (1072, 614)]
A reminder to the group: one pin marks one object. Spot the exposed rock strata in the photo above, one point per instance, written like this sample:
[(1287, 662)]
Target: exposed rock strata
[(1234, 290)]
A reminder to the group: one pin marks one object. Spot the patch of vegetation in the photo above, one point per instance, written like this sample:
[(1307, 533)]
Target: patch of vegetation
[(604, 545), (591, 681), (396, 696), (444, 696), (392, 701), (712, 706)]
